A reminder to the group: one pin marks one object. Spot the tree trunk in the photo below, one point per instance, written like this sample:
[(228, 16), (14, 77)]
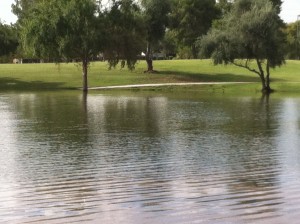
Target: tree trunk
[(149, 59), (267, 88), (265, 80), (85, 75), (149, 64), (268, 80)]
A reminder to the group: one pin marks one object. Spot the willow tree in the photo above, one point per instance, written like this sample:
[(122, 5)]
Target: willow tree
[(191, 19), (64, 30), (277, 4), (80, 30), (8, 39), (126, 32), (156, 19), (293, 42), (249, 36), (21, 7)]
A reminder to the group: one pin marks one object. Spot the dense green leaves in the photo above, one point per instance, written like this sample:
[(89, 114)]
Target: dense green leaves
[(21, 8), (126, 32), (251, 31), (224, 6), (192, 19), (243, 31), (277, 4), (62, 29), (155, 15), (79, 30), (156, 18), (8, 39), (292, 32)]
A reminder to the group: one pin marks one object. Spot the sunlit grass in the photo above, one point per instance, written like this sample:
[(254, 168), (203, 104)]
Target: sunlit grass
[(68, 76)]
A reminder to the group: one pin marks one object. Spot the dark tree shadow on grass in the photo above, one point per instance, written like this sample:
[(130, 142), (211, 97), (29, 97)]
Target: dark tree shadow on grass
[(202, 77), (18, 85)]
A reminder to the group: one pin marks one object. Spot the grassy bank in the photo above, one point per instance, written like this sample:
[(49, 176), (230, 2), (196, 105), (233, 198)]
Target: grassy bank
[(68, 76)]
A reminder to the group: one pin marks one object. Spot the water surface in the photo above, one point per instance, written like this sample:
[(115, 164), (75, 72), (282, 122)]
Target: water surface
[(66, 158)]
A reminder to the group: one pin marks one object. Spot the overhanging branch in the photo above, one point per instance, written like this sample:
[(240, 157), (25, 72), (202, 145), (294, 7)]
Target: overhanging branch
[(246, 66)]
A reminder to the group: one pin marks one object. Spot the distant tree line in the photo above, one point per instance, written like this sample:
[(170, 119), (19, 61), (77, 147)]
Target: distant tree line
[(229, 31), (8, 41)]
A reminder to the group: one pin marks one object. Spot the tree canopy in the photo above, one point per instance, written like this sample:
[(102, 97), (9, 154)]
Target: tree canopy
[(21, 7), (8, 39), (65, 29), (155, 13), (250, 32), (277, 4), (244, 32), (79, 30), (125, 31), (191, 19), (293, 43)]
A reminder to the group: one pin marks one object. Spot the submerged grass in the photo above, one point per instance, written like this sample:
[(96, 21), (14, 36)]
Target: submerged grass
[(68, 76)]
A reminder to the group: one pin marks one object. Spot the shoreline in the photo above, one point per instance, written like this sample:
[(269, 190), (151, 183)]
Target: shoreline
[(165, 84)]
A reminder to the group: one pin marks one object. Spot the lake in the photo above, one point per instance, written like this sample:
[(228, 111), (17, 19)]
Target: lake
[(138, 158)]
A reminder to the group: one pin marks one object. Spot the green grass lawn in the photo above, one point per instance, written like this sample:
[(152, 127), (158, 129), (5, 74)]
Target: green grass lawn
[(68, 76)]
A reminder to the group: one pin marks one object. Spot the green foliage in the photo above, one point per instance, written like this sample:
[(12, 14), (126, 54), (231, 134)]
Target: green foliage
[(224, 6), (62, 29), (8, 39), (156, 18), (292, 32), (251, 31), (277, 4), (169, 43), (79, 30), (126, 31), (22, 7), (184, 52), (192, 19)]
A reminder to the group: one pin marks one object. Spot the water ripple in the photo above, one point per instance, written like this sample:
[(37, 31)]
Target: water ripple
[(109, 159)]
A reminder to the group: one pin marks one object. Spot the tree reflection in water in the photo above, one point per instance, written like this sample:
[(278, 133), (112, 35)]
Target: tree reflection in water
[(151, 159)]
